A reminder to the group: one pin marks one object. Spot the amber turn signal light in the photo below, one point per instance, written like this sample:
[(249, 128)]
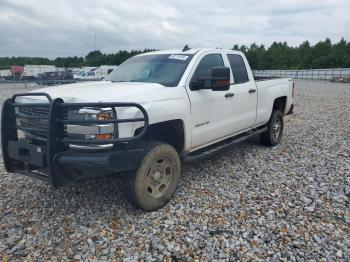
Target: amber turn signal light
[(104, 136)]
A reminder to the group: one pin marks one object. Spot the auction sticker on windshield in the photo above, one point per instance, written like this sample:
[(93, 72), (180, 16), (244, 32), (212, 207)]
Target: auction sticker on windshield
[(178, 57)]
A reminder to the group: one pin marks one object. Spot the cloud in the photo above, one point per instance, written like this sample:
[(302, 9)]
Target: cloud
[(67, 28)]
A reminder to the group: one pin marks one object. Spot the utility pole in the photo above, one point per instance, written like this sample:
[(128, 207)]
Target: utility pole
[(95, 42)]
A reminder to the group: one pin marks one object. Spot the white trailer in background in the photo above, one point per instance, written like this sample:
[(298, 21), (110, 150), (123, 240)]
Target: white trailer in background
[(35, 70), (5, 72), (60, 69)]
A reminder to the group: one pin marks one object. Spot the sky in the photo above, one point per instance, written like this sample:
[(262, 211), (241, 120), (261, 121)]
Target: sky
[(68, 28)]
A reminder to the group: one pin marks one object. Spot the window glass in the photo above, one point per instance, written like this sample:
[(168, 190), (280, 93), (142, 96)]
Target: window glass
[(205, 65), (239, 70), (164, 69)]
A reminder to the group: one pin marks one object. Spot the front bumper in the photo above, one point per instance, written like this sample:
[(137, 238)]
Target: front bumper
[(79, 165), (72, 165), (52, 160)]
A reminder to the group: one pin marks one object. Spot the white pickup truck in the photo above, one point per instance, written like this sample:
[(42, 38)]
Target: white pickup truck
[(153, 111)]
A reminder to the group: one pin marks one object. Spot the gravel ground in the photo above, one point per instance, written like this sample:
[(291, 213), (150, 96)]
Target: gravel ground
[(250, 203)]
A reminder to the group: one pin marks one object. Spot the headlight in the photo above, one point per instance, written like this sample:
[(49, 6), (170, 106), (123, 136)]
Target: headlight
[(95, 113), (91, 131)]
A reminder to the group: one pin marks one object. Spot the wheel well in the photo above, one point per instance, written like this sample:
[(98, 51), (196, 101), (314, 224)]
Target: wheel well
[(280, 104), (170, 132)]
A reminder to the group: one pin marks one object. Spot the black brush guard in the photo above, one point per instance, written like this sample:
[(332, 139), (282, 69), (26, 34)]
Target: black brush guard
[(50, 158)]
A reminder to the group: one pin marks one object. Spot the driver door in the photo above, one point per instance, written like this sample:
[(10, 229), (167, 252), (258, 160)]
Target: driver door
[(210, 110)]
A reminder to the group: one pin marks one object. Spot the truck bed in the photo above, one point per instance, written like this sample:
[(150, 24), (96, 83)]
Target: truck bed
[(272, 81)]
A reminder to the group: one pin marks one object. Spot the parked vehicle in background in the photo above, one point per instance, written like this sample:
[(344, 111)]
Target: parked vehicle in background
[(152, 111), (31, 72), (74, 70), (83, 71), (56, 77), (97, 73), (103, 71), (88, 76), (16, 72)]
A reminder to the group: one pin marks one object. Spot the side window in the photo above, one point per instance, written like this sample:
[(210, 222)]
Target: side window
[(205, 65), (239, 70)]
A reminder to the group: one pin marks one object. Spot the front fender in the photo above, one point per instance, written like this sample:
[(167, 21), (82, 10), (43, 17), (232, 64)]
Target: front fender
[(159, 111)]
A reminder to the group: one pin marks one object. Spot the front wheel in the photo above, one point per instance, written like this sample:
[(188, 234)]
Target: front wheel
[(274, 132), (156, 180)]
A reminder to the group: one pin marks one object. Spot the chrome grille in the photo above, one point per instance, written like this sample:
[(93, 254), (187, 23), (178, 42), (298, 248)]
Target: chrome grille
[(42, 110), (37, 111)]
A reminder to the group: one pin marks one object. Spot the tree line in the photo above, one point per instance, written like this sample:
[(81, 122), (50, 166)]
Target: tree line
[(93, 58), (279, 55), (324, 54)]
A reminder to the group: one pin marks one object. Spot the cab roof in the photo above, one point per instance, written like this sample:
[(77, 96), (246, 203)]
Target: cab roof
[(180, 52)]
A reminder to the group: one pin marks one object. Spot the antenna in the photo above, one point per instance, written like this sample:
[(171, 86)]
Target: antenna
[(186, 48), (95, 41)]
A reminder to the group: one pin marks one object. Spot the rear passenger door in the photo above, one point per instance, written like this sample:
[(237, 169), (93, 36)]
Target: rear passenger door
[(244, 103)]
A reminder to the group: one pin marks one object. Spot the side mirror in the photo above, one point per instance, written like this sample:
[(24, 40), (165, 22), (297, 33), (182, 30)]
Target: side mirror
[(219, 80)]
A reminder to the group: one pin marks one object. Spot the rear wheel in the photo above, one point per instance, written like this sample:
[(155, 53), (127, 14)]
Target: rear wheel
[(274, 132), (156, 180)]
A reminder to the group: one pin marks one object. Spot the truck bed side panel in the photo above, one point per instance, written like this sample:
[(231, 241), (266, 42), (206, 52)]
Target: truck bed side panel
[(268, 91)]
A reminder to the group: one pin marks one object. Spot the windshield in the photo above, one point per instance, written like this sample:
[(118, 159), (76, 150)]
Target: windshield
[(165, 69)]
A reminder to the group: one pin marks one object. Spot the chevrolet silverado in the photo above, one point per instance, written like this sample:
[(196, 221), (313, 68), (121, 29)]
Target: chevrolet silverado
[(154, 111)]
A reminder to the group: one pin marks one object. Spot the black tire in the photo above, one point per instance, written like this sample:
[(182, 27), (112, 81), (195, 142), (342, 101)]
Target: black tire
[(156, 180), (274, 132)]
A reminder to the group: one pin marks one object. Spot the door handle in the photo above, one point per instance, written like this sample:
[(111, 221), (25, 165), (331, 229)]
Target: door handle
[(252, 91), (227, 95)]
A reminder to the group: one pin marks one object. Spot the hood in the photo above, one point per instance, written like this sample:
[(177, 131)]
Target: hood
[(106, 91)]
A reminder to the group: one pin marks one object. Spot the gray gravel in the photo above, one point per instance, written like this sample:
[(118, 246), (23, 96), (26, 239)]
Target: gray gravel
[(250, 203)]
